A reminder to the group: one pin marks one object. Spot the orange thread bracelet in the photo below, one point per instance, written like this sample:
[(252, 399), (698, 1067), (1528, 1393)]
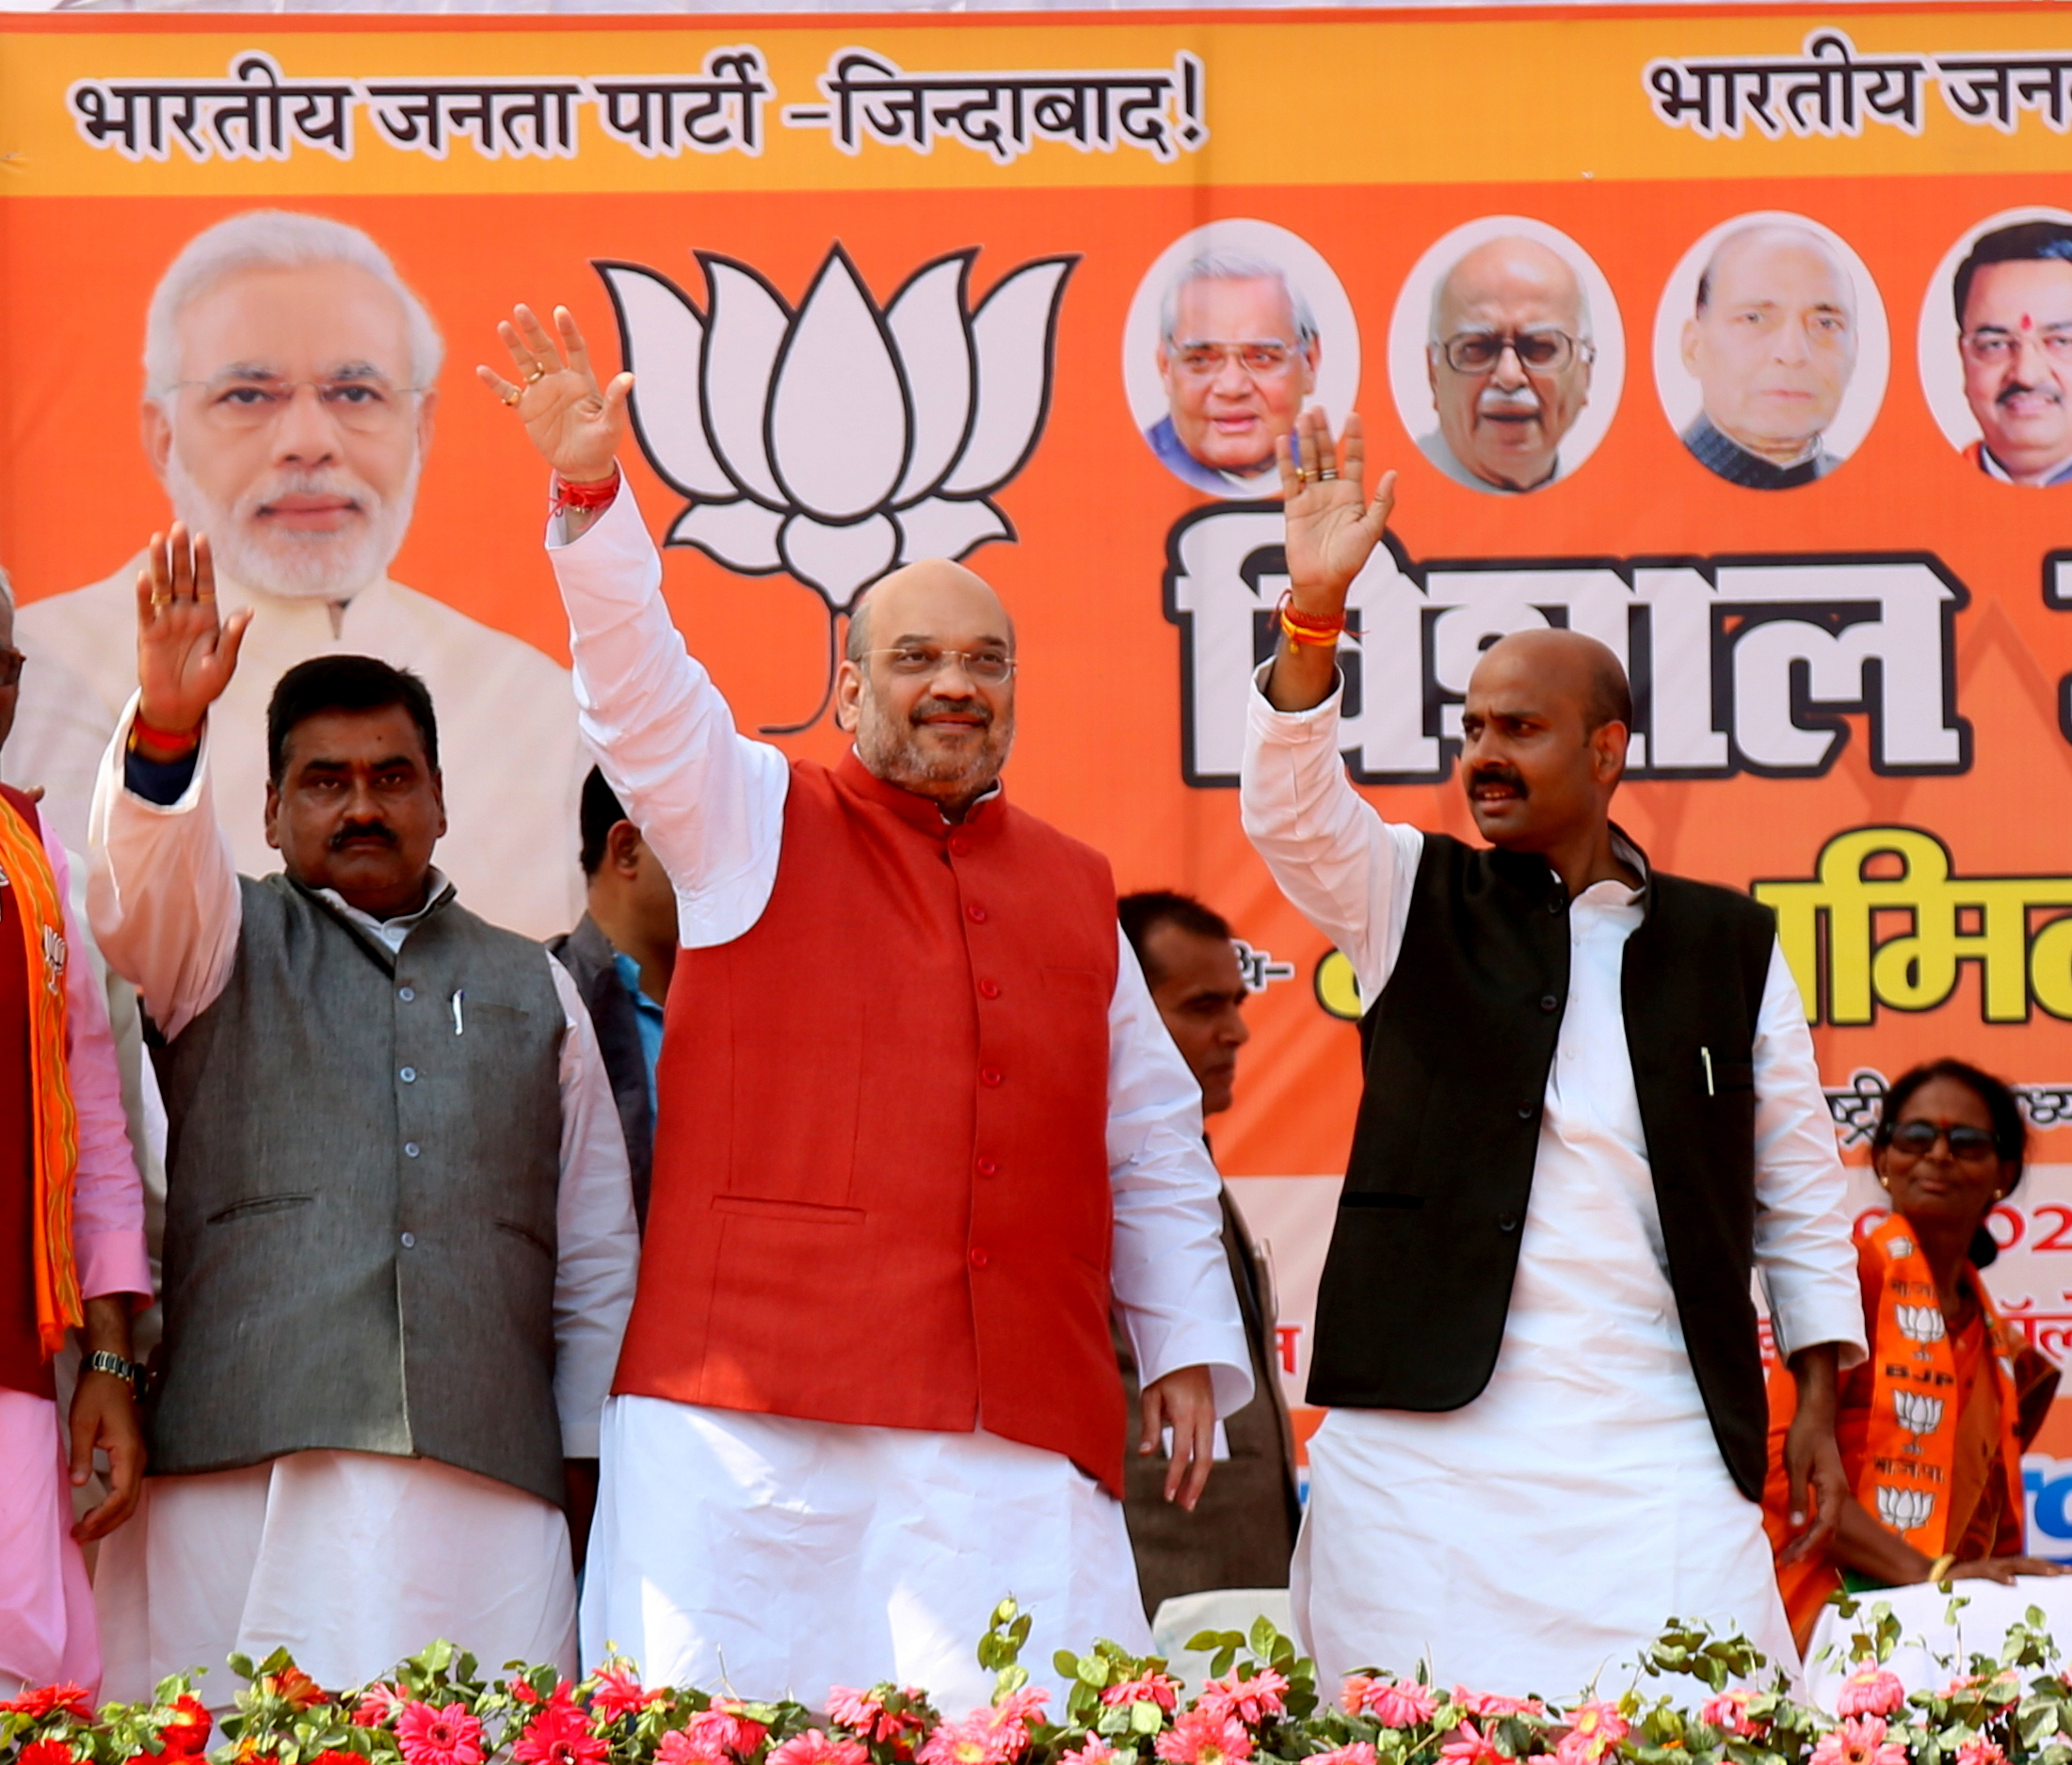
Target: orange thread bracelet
[(1307, 627)]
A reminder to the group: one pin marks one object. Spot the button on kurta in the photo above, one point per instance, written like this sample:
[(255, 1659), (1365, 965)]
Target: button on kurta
[(1548, 1001), (406, 993), (409, 1240), (976, 913), (988, 1168), (959, 846), (989, 989), (978, 1257), (991, 1075), (409, 1075), (409, 1149)]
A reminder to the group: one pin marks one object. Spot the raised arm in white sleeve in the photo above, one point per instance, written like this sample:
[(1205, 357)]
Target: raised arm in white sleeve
[(1348, 871), (710, 801), (162, 892), (598, 1242), (1171, 1277), (1802, 1249)]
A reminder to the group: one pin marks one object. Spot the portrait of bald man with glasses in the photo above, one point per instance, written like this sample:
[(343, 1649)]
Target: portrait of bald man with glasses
[(1509, 357), (1237, 356), (291, 387)]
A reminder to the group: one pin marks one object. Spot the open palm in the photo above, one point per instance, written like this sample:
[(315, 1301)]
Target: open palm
[(576, 422), (1332, 527), (186, 653)]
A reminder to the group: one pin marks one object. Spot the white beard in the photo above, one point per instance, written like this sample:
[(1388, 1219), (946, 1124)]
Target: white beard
[(296, 566)]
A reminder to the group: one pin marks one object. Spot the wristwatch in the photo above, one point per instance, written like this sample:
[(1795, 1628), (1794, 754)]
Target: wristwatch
[(129, 1371)]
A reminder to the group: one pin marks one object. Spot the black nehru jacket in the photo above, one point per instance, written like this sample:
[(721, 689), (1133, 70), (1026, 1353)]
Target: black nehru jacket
[(1425, 1248)]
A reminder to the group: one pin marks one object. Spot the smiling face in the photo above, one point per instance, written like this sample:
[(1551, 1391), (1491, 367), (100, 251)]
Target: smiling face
[(1537, 773), (1229, 403), (358, 809), (2016, 349), (1937, 1185), (1775, 342), (294, 441), (1504, 423), (922, 719)]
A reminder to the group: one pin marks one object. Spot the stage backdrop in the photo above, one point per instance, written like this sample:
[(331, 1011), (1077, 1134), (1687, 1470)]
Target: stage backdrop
[(897, 288)]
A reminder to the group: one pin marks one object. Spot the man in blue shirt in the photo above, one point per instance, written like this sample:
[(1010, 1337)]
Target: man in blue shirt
[(621, 956)]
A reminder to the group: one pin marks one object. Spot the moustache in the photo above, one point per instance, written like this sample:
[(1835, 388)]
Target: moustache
[(355, 830), (309, 484), (1497, 403), (970, 707), (2022, 390), (1504, 776)]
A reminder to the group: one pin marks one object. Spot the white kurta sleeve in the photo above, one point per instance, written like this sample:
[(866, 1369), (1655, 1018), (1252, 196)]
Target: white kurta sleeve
[(1172, 1279), (1348, 871), (708, 800), (599, 1242), (162, 892), (1802, 1249)]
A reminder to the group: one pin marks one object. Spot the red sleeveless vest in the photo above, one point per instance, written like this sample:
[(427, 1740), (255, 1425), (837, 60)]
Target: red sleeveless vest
[(880, 1191), (23, 1367)]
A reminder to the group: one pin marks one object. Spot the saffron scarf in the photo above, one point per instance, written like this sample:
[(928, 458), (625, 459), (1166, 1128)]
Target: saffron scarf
[(54, 1131)]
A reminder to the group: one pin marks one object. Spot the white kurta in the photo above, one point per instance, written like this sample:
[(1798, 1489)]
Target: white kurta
[(1543, 1533), (782, 1555), (350, 1559), (506, 728)]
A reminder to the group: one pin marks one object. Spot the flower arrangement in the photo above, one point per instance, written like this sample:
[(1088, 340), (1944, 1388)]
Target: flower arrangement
[(1260, 1706)]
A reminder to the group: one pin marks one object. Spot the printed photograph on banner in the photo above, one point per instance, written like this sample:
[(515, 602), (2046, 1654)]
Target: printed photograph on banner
[(1235, 328), (1771, 350), (1507, 354), (288, 405), (1996, 346)]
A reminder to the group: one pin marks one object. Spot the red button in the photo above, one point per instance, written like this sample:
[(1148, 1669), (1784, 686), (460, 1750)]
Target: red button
[(959, 847), (976, 913), (989, 989), (991, 1075), (988, 1168), (978, 1257)]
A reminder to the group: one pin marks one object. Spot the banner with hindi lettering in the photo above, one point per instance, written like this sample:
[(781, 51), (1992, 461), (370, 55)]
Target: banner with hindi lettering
[(1741, 339)]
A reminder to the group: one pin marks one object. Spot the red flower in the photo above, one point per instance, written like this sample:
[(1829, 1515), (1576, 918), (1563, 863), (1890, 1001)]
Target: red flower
[(53, 1700), (618, 1692), (296, 1687), (336, 1756), (816, 1747), (1200, 1738), (47, 1753), (186, 1732), (560, 1735)]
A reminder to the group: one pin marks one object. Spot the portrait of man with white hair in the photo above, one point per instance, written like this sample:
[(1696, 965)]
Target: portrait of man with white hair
[(290, 390), (1509, 354), (1238, 349)]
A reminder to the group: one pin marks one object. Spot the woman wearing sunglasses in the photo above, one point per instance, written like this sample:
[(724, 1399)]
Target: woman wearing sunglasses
[(1932, 1425)]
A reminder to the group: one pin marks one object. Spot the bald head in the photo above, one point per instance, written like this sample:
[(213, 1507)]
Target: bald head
[(1563, 666), (924, 597), (1508, 270)]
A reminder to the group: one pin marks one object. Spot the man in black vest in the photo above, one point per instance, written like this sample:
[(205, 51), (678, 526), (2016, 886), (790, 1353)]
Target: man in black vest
[(1592, 1110)]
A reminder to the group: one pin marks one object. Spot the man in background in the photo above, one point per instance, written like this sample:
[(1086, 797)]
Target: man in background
[(2014, 301), (1237, 354), (621, 956), (1772, 344), (1509, 356), (290, 387), (1242, 1531)]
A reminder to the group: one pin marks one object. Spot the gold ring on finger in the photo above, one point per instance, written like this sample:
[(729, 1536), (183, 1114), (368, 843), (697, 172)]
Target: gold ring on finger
[(535, 374), (1302, 474), (161, 600), (512, 397), (210, 596)]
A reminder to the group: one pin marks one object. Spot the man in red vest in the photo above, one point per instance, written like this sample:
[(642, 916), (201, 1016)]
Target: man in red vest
[(920, 1125)]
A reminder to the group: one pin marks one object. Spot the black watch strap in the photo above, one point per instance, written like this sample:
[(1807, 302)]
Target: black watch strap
[(100, 1360)]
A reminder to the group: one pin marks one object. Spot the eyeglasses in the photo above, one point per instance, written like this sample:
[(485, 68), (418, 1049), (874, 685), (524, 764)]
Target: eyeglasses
[(363, 404), (1259, 357), (925, 660), (1538, 352), (1967, 1145), (10, 668), (1992, 348)]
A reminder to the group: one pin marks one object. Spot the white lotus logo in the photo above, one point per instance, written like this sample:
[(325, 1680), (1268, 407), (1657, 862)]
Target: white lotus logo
[(1918, 1413), (843, 439), (1920, 1323), (1904, 1510)]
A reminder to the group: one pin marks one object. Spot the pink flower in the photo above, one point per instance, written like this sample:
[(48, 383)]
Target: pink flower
[(378, 1704), (1729, 1713), (1595, 1727), (619, 1691), (1393, 1704), (866, 1714), (560, 1735), (1358, 1753), (1154, 1688), (1859, 1742), (716, 1736), (1870, 1692), (1251, 1701), (1096, 1752), (438, 1737), (1018, 1709), (978, 1739), (1485, 1704), (814, 1748), (1200, 1738), (1471, 1746), (1980, 1751)]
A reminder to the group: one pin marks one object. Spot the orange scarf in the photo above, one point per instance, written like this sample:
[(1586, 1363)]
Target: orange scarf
[(1904, 1472), (56, 1134)]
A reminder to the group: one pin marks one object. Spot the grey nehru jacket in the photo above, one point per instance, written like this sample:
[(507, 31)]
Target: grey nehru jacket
[(360, 1242)]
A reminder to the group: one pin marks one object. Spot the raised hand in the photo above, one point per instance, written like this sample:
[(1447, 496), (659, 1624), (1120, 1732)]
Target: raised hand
[(186, 653), (1332, 527), (576, 425)]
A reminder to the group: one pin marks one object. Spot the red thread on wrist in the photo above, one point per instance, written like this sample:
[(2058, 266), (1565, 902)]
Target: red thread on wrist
[(1307, 628), (181, 745), (598, 493)]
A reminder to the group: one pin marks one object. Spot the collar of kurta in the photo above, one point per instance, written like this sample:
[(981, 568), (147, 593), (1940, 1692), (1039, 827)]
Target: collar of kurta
[(981, 822), (1530, 873)]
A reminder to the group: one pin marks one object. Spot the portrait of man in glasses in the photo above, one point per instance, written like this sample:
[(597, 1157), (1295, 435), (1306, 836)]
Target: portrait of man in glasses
[(1509, 354), (2013, 295), (1237, 355), (290, 390)]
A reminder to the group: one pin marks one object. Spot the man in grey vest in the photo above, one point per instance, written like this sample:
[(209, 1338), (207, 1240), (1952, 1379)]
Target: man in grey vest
[(1591, 1112), (400, 1245)]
